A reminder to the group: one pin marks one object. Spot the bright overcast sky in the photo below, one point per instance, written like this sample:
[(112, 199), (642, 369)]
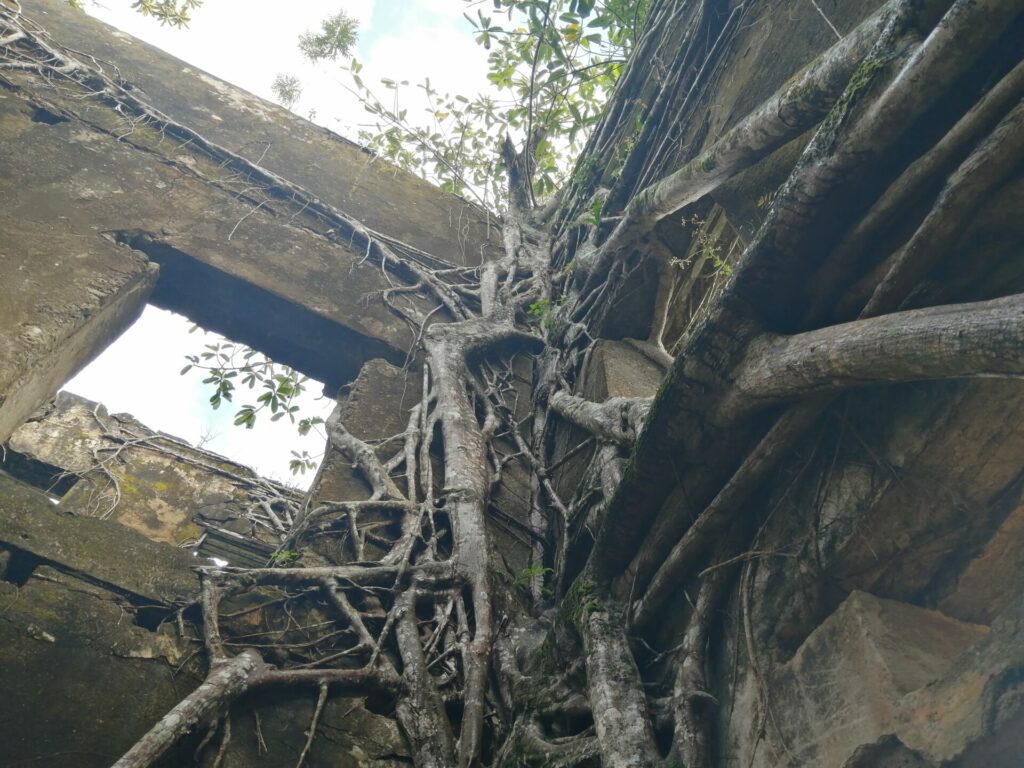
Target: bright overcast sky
[(247, 43)]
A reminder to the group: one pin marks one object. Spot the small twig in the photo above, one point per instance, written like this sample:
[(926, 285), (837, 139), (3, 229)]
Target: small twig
[(827, 21), (752, 554), (311, 733), (261, 744), (225, 740)]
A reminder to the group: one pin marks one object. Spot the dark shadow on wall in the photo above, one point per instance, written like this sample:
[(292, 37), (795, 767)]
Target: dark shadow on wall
[(284, 331)]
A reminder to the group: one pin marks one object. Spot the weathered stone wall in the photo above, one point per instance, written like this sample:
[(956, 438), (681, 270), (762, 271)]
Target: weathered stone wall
[(899, 645), (155, 483), (78, 175), (92, 652), (66, 295)]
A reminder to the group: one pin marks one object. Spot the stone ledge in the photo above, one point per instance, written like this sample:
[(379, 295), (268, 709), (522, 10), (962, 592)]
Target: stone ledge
[(102, 551)]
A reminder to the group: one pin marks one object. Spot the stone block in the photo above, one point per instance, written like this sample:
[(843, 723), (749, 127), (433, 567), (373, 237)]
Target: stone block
[(66, 297), (264, 269), (843, 688), (109, 553), (921, 488), (81, 680), (375, 407), (973, 717), (990, 581), (616, 369), (621, 369)]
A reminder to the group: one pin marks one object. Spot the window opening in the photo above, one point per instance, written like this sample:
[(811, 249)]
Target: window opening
[(140, 373)]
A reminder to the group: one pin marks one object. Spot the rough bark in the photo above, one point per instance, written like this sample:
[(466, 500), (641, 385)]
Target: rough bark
[(952, 341), (615, 690), (618, 419), (226, 681), (805, 100)]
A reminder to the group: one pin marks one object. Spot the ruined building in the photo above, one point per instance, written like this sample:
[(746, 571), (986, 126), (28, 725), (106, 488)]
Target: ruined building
[(874, 615)]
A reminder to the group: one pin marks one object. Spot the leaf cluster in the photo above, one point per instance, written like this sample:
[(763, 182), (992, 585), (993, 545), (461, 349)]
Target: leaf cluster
[(335, 38), (230, 367), (553, 64), (558, 60), (301, 461), (174, 13)]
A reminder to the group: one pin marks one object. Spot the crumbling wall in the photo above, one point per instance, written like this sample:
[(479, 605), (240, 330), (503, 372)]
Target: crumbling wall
[(899, 643), (214, 204), (155, 483), (97, 641), (66, 295)]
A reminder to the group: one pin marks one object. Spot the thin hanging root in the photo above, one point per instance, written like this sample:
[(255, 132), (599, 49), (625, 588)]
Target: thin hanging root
[(225, 742), (321, 699), (210, 733)]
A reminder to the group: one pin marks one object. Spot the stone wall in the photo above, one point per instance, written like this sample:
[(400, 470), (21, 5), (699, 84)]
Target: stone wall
[(901, 646), (103, 193), (155, 483), (93, 651)]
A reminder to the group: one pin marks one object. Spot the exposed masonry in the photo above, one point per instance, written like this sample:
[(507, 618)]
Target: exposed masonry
[(902, 648)]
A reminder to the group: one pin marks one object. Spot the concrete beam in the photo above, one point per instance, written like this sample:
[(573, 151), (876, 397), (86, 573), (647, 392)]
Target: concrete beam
[(66, 296)]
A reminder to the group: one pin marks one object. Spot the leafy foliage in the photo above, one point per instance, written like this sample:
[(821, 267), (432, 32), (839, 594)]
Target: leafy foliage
[(285, 558), (337, 34), (541, 314), (301, 462), (558, 60), (287, 89), (230, 366), (174, 13), (552, 64)]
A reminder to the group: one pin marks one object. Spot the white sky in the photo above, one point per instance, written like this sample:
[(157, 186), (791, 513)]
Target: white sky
[(247, 43)]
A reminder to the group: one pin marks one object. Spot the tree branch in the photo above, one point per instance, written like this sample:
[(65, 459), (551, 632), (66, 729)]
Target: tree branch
[(618, 419), (227, 680), (985, 339)]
